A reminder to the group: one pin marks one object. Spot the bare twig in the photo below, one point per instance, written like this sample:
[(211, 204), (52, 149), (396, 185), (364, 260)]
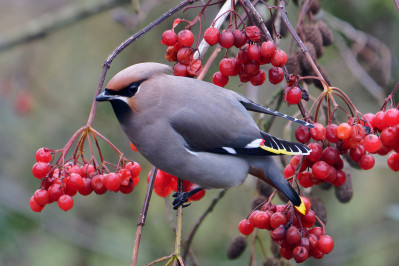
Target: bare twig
[(358, 71), (143, 216), (199, 221), (49, 23)]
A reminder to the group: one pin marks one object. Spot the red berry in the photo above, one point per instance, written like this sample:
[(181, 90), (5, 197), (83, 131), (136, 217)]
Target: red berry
[(367, 162), (185, 55), (97, 183), (279, 59), (245, 227), (330, 155), (325, 244), (292, 236), (289, 171), (293, 95), (185, 38), (321, 170), (212, 36), (194, 68), (125, 176), (252, 68), (262, 220), (242, 56), (277, 219), (112, 181), (43, 155), (74, 181), (41, 196), (305, 179), (253, 33), (357, 153), (316, 153), (372, 143), (379, 120), (393, 161), (87, 170), (286, 251), (86, 189), (300, 254), (169, 38), (318, 133), (331, 133), (226, 39), (389, 136), (302, 134), (253, 52), (220, 79), (344, 131), (340, 179), (258, 79), (65, 202), (244, 77), (317, 231), (369, 117), (127, 189), (391, 117), (34, 205), (278, 234), (239, 38), (40, 170), (55, 192), (267, 49), (308, 219), (134, 168), (276, 75), (180, 70), (227, 66), (171, 54)]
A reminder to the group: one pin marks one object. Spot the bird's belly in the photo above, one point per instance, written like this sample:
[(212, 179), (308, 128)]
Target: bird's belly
[(205, 169)]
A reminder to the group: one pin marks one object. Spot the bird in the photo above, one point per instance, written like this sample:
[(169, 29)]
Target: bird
[(198, 131)]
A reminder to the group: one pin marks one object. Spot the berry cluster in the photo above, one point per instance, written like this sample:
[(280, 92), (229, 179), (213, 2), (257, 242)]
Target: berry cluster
[(253, 53), (180, 51), (294, 232), (165, 183), (62, 183)]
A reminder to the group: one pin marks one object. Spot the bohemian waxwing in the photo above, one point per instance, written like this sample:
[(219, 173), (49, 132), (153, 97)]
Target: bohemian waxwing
[(197, 131)]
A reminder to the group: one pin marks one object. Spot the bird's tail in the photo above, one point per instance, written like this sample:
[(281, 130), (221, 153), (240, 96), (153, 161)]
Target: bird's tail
[(267, 170)]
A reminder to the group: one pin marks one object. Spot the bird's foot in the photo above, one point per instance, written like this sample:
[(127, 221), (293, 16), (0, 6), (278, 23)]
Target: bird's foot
[(181, 198)]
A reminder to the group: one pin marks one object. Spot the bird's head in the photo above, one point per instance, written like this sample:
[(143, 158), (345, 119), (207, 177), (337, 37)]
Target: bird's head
[(126, 84)]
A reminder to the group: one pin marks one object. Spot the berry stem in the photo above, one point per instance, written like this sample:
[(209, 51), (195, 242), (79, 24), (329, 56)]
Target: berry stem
[(143, 216), (209, 62)]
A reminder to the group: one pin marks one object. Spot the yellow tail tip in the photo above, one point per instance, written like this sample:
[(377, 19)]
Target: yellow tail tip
[(301, 208)]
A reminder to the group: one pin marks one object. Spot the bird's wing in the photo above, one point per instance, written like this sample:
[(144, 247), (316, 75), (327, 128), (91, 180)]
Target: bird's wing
[(252, 106), (235, 135)]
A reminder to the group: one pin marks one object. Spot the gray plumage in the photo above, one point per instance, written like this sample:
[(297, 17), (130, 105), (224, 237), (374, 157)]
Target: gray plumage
[(193, 129)]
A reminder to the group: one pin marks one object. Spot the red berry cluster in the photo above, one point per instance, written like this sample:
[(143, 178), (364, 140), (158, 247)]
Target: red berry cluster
[(294, 232), (324, 162), (180, 51), (253, 53), (165, 183), (62, 183)]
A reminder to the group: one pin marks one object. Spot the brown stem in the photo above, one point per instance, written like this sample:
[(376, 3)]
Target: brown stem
[(257, 17), (143, 216), (298, 40), (190, 237), (209, 62)]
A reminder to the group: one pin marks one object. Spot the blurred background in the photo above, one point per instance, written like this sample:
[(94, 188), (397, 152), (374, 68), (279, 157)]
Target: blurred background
[(51, 54)]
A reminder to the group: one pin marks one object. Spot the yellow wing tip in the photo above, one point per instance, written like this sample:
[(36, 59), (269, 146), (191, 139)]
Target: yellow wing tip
[(301, 208)]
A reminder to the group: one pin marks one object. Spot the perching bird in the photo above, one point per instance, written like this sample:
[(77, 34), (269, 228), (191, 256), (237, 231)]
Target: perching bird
[(197, 131)]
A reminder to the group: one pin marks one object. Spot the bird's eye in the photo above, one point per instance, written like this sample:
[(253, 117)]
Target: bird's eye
[(131, 90)]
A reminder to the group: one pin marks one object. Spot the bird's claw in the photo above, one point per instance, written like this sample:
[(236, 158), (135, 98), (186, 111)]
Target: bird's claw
[(180, 199)]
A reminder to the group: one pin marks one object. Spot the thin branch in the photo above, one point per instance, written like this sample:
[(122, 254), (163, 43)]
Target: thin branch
[(143, 216), (190, 237), (51, 22)]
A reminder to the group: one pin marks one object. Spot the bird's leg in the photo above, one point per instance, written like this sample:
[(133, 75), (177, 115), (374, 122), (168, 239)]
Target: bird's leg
[(181, 198)]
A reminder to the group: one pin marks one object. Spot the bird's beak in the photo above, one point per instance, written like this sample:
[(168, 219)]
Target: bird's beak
[(104, 97)]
